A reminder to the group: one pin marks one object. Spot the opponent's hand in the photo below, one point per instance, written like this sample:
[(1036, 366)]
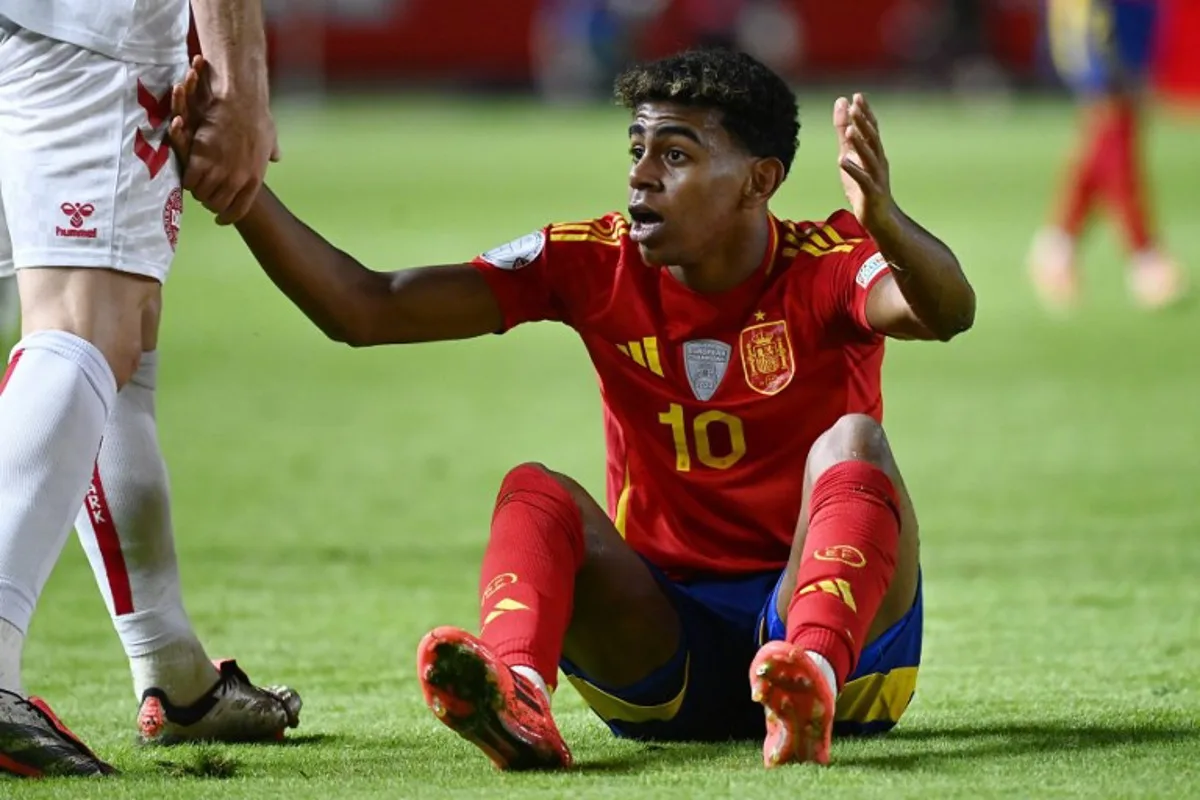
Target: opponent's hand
[(229, 146), (864, 165)]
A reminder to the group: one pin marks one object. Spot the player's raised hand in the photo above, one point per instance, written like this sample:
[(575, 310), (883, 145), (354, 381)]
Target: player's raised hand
[(232, 138), (864, 165)]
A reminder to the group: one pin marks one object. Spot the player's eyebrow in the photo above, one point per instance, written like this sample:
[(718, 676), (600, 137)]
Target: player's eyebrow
[(638, 129)]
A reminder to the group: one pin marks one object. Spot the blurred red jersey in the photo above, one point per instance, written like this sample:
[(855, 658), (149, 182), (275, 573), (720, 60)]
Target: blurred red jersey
[(711, 402)]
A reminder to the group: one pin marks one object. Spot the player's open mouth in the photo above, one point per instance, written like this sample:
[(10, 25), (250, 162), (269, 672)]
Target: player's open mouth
[(646, 222)]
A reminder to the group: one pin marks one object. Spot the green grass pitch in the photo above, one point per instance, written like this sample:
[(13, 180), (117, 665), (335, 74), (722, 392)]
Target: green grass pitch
[(331, 505)]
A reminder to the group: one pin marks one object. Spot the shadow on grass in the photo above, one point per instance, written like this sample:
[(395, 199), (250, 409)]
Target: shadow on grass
[(922, 748), (963, 743), (220, 762)]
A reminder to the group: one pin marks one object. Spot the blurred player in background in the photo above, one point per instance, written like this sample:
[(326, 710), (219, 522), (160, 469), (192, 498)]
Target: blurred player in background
[(757, 522), (1103, 49), (90, 205)]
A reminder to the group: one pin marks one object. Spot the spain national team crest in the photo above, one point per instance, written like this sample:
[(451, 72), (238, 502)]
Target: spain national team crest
[(705, 361), (767, 357)]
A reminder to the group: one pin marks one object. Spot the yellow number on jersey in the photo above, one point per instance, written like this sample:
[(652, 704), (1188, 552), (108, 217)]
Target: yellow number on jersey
[(675, 418)]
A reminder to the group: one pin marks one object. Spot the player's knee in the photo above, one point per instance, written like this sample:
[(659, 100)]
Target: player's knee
[(539, 479), (552, 494), (854, 437), (105, 308), (151, 317)]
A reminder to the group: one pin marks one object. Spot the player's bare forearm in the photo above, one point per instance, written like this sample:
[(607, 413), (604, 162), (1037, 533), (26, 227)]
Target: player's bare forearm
[(358, 306), (233, 41), (931, 283)]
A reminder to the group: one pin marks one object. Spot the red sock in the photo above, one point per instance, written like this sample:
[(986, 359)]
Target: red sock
[(528, 578), (848, 562), (1085, 181), (1123, 177)]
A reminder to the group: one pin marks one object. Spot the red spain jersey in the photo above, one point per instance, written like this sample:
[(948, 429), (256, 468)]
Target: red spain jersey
[(711, 402)]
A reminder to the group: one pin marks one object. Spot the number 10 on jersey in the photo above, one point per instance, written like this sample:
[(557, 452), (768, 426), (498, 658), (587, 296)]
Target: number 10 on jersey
[(696, 437)]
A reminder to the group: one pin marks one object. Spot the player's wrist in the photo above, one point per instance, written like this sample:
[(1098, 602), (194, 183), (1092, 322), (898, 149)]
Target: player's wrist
[(887, 224), (244, 83)]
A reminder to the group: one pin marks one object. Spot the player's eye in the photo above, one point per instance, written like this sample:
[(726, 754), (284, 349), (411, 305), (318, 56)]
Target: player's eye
[(676, 156), (636, 152)]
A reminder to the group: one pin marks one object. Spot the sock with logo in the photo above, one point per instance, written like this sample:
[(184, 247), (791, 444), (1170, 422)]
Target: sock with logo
[(528, 577), (848, 562)]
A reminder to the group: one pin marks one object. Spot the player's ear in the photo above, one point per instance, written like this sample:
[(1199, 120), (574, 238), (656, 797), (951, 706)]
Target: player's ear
[(765, 178)]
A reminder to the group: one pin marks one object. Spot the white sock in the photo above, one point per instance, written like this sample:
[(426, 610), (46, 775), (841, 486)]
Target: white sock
[(12, 642), (826, 669), (52, 413), (125, 528), (536, 679)]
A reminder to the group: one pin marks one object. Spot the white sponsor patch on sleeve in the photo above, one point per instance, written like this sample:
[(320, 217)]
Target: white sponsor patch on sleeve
[(870, 270), (517, 253)]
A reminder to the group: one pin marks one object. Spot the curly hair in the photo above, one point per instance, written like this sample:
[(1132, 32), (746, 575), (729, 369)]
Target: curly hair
[(757, 107)]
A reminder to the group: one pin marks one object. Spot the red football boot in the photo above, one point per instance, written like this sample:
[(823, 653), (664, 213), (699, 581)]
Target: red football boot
[(798, 702), (484, 701)]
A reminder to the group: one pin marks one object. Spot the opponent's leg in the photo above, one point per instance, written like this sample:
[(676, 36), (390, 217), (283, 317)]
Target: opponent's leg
[(125, 528), (557, 579), (61, 384), (69, 186), (852, 575)]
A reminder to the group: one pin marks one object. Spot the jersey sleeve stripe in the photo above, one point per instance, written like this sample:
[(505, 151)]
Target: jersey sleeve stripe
[(585, 237), (832, 234), (814, 251)]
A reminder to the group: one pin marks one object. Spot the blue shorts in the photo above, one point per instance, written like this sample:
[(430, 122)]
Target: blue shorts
[(1100, 46), (703, 693)]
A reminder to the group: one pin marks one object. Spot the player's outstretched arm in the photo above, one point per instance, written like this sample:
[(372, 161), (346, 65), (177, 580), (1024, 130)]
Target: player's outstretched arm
[(347, 301), (359, 306), (927, 296)]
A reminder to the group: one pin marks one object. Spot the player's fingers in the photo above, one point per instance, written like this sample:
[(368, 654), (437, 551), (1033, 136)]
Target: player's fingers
[(240, 205), (841, 113), (208, 180), (221, 199), (180, 143), (191, 83), (841, 123), (869, 112), (194, 174), (199, 65), (870, 159), (178, 102), (860, 177), (855, 171), (870, 132)]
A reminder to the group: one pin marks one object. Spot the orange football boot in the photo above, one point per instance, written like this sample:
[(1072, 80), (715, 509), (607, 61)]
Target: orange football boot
[(483, 700), (798, 703)]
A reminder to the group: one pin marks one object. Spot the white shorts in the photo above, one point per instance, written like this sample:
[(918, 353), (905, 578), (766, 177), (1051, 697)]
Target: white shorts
[(87, 178)]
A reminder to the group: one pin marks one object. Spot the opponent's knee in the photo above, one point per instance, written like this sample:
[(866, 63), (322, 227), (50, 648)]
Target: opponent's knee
[(854, 437), (105, 308)]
